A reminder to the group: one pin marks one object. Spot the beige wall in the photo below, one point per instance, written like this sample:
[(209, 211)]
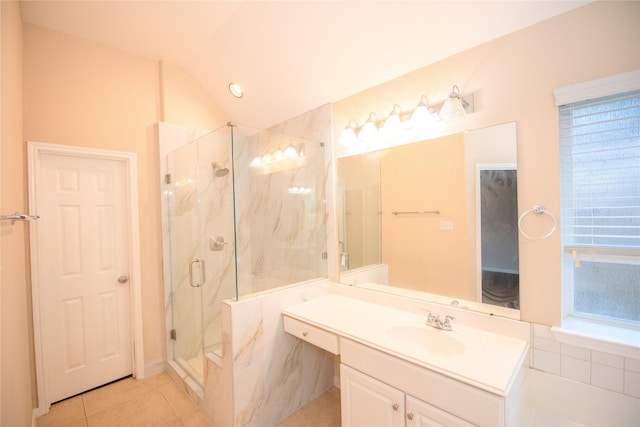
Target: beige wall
[(185, 102), (420, 255), (81, 93), (17, 391), (514, 78)]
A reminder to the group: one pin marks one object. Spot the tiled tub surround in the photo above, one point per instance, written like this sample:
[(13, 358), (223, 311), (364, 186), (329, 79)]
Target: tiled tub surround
[(598, 367), (588, 382)]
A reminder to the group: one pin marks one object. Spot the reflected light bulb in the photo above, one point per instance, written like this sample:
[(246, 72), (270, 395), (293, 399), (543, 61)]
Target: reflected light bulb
[(290, 152)]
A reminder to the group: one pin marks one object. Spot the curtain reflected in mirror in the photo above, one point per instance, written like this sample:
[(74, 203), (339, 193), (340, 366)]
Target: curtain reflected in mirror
[(499, 236)]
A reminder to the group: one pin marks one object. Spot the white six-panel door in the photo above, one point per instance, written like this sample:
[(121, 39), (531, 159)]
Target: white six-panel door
[(83, 273)]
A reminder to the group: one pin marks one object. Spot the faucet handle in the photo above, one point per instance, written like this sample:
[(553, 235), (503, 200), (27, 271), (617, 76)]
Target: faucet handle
[(447, 320)]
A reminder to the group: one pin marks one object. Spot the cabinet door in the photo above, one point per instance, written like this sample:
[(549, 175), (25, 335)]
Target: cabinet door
[(367, 402), (421, 414)]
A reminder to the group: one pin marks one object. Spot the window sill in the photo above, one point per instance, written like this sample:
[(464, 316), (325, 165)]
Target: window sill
[(600, 337)]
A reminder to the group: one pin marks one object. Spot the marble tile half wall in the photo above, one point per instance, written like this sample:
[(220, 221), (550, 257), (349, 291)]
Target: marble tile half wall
[(274, 373)]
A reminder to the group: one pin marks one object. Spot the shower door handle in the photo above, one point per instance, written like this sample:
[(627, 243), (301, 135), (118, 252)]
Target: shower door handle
[(192, 282)]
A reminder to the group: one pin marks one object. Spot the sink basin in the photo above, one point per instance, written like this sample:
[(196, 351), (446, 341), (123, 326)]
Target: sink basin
[(426, 338)]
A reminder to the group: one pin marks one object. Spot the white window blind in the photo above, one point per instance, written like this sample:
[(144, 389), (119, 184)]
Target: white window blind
[(600, 174)]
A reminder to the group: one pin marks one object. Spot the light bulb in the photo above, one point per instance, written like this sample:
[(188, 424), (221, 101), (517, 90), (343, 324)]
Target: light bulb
[(422, 118), (236, 90), (348, 138), (392, 128), (369, 133), (453, 107)]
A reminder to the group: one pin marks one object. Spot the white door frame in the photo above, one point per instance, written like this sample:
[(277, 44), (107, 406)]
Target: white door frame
[(35, 150)]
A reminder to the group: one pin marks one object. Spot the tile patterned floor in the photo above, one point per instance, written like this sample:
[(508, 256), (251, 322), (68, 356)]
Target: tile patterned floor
[(323, 411), (158, 402), (155, 401)]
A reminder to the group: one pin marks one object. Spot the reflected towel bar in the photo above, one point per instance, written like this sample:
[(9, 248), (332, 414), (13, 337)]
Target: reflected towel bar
[(437, 212), (18, 217)]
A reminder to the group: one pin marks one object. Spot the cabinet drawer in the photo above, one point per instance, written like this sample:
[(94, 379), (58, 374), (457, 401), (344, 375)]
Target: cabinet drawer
[(312, 335)]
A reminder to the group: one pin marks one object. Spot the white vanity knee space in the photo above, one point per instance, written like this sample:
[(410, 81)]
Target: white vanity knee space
[(388, 376)]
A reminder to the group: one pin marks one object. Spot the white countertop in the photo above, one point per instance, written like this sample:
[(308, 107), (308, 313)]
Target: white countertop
[(477, 357)]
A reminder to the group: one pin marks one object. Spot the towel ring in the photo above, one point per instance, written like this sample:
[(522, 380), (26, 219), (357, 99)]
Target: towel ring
[(538, 210)]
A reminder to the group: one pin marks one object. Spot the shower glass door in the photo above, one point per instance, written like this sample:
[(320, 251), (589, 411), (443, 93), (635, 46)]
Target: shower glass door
[(200, 192), (186, 293)]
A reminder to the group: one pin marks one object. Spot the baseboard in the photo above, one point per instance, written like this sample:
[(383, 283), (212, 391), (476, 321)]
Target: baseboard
[(153, 369)]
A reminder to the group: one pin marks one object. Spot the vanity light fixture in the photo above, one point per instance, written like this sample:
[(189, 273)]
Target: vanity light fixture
[(403, 126), (236, 90), (454, 106)]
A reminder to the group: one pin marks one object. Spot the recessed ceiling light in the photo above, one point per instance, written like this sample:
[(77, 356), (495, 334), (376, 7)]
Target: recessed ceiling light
[(236, 90)]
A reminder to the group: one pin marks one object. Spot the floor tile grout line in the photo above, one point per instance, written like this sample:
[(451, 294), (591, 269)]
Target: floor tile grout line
[(84, 409)]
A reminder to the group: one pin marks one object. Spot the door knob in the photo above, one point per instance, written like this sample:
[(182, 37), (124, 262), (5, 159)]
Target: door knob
[(123, 279)]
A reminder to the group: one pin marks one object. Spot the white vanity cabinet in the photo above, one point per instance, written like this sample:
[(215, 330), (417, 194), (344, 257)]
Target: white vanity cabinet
[(367, 402), (421, 414), (424, 397), (394, 371)]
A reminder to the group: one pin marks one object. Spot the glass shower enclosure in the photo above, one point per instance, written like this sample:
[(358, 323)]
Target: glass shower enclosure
[(246, 214)]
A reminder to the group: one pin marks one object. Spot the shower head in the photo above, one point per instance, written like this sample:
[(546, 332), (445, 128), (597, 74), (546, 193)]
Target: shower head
[(218, 171)]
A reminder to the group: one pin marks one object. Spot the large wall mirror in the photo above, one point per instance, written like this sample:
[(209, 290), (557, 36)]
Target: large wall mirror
[(434, 218)]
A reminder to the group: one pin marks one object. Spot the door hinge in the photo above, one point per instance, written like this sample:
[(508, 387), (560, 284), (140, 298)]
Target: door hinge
[(172, 334), (324, 255), (167, 178)]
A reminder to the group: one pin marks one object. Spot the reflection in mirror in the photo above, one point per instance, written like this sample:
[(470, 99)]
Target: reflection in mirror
[(499, 235), (435, 218)]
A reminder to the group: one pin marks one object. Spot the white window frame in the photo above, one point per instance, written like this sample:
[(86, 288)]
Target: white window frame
[(612, 85)]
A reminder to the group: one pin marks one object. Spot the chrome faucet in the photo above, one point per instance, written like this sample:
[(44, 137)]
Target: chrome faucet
[(438, 323)]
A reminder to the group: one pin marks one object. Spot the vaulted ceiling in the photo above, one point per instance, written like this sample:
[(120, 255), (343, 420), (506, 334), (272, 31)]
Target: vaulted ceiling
[(290, 56)]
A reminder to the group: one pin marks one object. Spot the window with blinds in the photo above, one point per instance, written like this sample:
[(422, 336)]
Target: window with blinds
[(600, 191)]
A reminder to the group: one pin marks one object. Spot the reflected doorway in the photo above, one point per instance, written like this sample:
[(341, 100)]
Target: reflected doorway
[(500, 274)]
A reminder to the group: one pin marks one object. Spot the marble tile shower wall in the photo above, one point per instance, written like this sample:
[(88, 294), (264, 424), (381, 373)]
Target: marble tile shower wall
[(279, 232), (599, 369), (264, 374)]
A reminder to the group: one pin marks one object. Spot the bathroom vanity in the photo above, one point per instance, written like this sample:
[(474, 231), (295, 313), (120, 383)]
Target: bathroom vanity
[(396, 370)]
